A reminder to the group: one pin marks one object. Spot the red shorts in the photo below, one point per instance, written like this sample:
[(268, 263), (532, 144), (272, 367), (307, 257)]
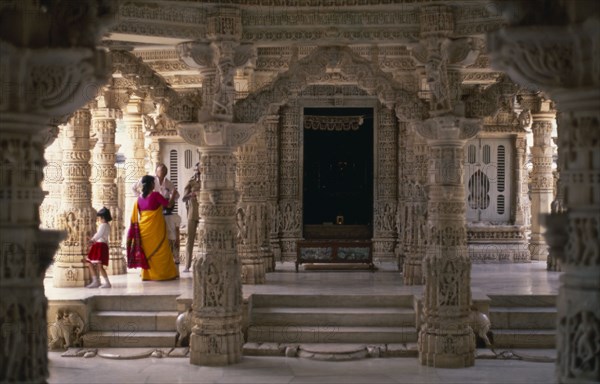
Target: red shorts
[(98, 254)]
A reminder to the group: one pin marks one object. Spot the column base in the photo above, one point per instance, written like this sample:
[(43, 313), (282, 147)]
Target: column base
[(69, 275), (447, 351), (413, 273), (538, 250), (117, 264), (216, 350), (253, 271)]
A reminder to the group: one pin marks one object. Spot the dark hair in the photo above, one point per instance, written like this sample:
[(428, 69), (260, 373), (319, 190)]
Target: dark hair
[(105, 214), (147, 185)]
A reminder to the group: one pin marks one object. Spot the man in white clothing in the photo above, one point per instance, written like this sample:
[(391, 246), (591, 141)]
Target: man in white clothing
[(162, 185)]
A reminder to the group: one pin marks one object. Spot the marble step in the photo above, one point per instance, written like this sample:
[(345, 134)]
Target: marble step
[(331, 334), (524, 338), (522, 300), (373, 316), (523, 317), (331, 351), (273, 300), (133, 321), (128, 339), (134, 303)]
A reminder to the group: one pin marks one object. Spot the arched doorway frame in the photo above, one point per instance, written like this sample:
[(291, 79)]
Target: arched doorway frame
[(337, 66)]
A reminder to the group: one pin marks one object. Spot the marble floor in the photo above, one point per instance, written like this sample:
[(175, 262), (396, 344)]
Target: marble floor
[(500, 279)]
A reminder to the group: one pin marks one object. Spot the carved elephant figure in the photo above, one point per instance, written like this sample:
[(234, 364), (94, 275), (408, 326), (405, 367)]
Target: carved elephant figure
[(481, 324), (66, 331), (183, 324)]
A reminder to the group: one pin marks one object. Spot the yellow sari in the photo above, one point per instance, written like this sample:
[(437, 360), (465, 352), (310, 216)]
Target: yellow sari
[(155, 244)]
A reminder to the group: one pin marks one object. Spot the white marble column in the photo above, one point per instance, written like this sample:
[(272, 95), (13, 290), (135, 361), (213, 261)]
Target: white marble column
[(559, 55), (104, 174), (76, 215), (250, 168), (445, 338), (217, 305), (134, 152), (542, 180), (42, 78), (271, 126)]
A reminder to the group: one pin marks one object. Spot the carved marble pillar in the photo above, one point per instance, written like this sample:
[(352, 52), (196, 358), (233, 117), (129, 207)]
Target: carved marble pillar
[(271, 126), (446, 339), (542, 180), (76, 215), (250, 212), (558, 54), (52, 183), (217, 307), (386, 198), (46, 70), (416, 211), (290, 203), (104, 174), (134, 151)]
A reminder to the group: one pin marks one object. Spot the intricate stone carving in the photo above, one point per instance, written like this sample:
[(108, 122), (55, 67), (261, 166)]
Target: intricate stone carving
[(67, 331), (47, 69), (558, 54)]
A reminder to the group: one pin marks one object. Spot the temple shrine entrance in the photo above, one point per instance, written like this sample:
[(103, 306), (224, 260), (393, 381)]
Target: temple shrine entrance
[(338, 173)]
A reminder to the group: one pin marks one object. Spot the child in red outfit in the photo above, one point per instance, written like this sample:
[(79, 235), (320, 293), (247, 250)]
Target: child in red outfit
[(97, 257)]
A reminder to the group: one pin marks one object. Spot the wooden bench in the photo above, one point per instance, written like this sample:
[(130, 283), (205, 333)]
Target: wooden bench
[(334, 251)]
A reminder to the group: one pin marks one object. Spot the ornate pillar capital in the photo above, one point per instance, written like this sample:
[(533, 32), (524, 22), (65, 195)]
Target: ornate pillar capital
[(216, 133), (448, 128)]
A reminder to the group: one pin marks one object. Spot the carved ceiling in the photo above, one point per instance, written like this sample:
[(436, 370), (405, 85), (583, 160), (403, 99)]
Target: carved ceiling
[(387, 32)]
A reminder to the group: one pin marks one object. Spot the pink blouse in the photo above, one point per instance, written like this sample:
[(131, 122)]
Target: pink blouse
[(151, 202)]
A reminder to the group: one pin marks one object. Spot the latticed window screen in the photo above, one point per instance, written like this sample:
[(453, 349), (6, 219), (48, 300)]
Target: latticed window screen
[(187, 158), (174, 172), (487, 165)]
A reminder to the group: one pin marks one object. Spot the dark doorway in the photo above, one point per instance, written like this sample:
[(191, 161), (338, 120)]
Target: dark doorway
[(338, 167)]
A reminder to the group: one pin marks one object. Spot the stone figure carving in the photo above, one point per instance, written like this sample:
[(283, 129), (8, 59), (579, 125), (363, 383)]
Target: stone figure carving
[(66, 331), (183, 325), (438, 84), (586, 343), (241, 225), (481, 324)]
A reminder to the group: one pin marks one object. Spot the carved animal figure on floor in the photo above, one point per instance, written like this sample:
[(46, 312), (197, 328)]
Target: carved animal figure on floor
[(66, 331), (183, 324), (481, 324)]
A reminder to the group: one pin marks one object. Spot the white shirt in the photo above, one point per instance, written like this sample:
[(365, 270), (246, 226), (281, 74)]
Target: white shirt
[(102, 234), (165, 189), (173, 221)]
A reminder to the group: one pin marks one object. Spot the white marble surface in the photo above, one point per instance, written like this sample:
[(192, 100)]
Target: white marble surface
[(498, 279), (291, 370)]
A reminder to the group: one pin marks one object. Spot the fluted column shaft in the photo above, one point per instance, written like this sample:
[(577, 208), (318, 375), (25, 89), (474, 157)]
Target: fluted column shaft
[(76, 216), (217, 335), (542, 182), (104, 187)]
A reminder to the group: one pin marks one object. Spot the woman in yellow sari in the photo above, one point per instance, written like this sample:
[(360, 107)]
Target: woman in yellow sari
[(153, 232)]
